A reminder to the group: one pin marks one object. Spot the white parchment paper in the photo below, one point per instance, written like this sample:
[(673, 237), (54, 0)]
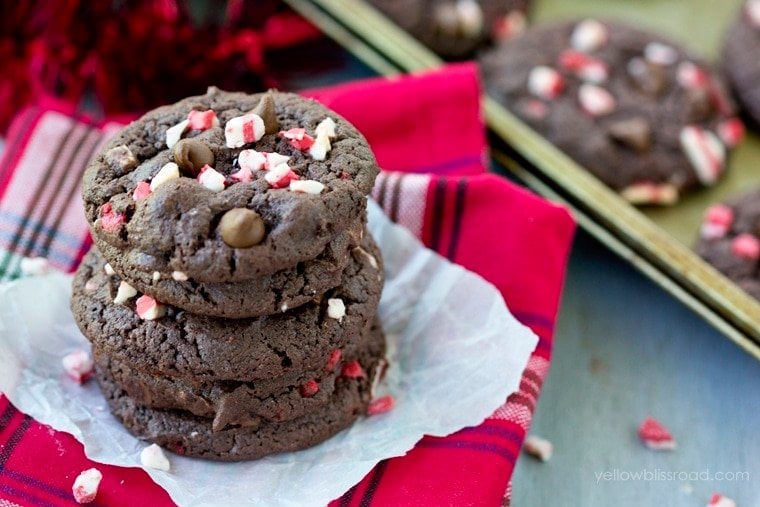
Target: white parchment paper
[(455, 352)]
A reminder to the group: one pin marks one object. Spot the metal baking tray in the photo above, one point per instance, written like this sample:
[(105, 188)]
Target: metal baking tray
[(657, 241)]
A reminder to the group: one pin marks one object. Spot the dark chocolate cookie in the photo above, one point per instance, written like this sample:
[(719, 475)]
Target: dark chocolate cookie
[(456, 28), (741, 59), (730, 240), (191, 435), (263, 295), (634, 109), (246, 403), (150, 336), (227, 186)]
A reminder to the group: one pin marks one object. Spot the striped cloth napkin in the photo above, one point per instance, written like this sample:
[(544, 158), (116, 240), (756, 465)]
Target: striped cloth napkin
[(427, 132)]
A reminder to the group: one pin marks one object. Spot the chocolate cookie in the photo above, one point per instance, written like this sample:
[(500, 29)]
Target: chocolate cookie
[(741, 59), (190, 435), (730, 240), (634, 109), (246, 403), (150, 336), (456, 28), (227, 186), (264, 295)]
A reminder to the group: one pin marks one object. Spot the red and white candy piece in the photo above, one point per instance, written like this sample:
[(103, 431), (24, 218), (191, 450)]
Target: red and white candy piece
[(78, 366), (124, 293), (169, 172), (336, 309), (511, 25), (110, 220), (211, 178), (281, 176), (179, 276), (381, 405), (731, 131), (153, 457), (595, 100), (298, 138), (321, 147), (648, 192), (85, 487), (655, 435), (584, 66), (545, 82), (588, 35), (746, 246), (689, 75), (309, 388), (109, 269), (142, 190), (148, 308), (539, 447), (275, 160), (174, 134), (306, 187), (752, 10), (533, 108), (333, 360), (242, 130), (202, 120), (718, 500), (34, 266), (252, 160), (352, 370), (705, 152), (718, 221), (660, 54)]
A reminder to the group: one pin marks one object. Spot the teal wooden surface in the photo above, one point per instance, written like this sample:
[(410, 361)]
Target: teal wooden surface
[(624, 350)]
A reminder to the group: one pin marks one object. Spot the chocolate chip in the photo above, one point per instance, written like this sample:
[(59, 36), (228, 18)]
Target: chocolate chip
[(121, 159), (634, 133), (242, 228), (648, 77), (191, 155), (265, 109), (699, 103)]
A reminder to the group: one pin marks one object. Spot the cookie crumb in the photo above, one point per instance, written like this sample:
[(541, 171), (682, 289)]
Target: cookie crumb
[(153, 457), (539, 447), (78, 366)]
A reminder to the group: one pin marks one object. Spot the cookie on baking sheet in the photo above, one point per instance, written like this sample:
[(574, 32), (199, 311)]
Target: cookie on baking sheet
[(263, 295), (730, 240), (191, 435), (456, 28), (247, 403), (637, 111), (227, 187), (149, 336), (741, 59)]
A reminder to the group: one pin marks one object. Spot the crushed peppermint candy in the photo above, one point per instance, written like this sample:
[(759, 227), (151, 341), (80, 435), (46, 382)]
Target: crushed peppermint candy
[(109, 269), (660, 54), (280, 176), (545, 82), (110, 220), (298, 138), (647, 192), (595, 100), (320, 148), (352, 370), (731, 131), (242, 130), (326, 128), (153, 457), (169, 172), (142, 190), (333, 360), (309, 388), (243, 175), (202, 120), (252, 160), (381, 405), (506, 27), (588, 35), (752, 10), (85, 487), (274, 160), (148, 308), (34, 266), (584, 66), (174, 134), (655, 435), (746, 246), (124, 293), (211, 178), (336, 309), (689, 75), (718, 500), (306, 186), (705, 152), (718, 221), (156, 276), (539, 447), (78, 365), (179, 276)]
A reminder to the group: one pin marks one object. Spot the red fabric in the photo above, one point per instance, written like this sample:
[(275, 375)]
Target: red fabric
[(514, 239)]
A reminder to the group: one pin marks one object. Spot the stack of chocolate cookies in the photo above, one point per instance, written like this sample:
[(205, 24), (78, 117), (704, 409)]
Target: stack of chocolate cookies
[(231, 295)]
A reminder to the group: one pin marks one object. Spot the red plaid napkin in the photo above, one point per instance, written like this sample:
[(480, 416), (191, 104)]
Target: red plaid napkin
[(419, 124)]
